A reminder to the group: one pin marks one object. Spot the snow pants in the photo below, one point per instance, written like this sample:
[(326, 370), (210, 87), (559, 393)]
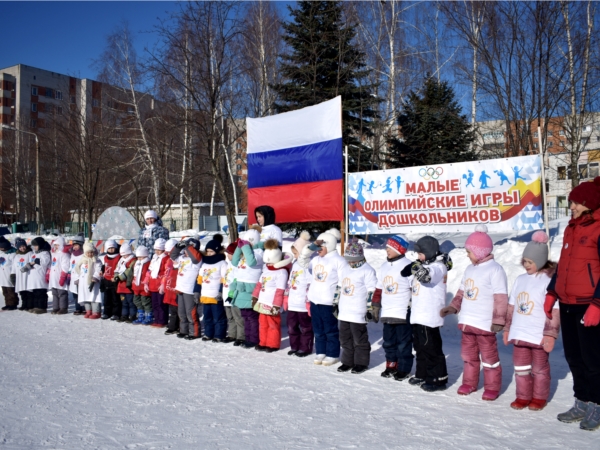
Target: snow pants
[(250, 325), (112, 300), (325, 326), (397, 344), (235, 323), (127, 308), (431, 361), (142, 302), (532, 371), (78, 306), (160, 310), (10, 298), (582, 352), (356, 349), (476, 342), (40, 298), (94, 307), (173, 324), (26, 300), (269, 331), (189, 322), (300, 331), (60, 299), (215, 320)]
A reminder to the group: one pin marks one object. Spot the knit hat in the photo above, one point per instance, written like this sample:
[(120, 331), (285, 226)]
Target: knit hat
[(302, 241), (213, 245), (125, 249), (38, 242), (398, 243), (150, 215), (79, 239), (194, 243), (252, 236), (141, 251), (110, 244), (20, 242), (272, 253), (429, 246), (88, 247), (4, 243), (159, 244), (230, 250), (587, 194), (170, 244), (479, 243), (330, 239), (537, 249), (354, 251)]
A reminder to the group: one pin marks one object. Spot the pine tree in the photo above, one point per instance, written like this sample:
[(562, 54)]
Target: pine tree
[(322, 63), (433, 129)]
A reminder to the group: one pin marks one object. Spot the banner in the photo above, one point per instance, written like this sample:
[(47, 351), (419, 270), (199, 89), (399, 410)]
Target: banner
[(295, 163), (504, 194)]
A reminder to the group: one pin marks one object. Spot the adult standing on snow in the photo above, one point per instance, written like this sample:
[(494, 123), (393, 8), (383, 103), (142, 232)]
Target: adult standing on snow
[(152, 231), (576, 285)]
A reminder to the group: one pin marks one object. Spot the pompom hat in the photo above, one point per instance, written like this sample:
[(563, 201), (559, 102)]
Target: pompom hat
[(479, 243), (587, 194), (354, 252), (302, 241), (398, 243), (88, 247), (537, 249)]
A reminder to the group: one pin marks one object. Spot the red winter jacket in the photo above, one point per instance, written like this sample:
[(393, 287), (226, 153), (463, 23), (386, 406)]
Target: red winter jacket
[(122, 286), (577, 278), (155, 283), (140, 289), (110, 264), (169, 282)]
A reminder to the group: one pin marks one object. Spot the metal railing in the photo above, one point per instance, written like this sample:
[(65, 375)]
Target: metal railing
[(557, 212)]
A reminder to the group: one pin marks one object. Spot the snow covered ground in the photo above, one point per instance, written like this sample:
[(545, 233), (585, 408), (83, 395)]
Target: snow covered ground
[(68, 382)]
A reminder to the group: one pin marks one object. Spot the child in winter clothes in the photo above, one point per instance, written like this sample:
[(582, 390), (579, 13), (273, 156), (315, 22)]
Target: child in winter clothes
[(482, 301), (358, 283), (141, 294), (124, 277), (167, 287), (528, 328), (265, 218), (249, 264), (391, 302), (72, 277), (235, 321), (428, 298), (267, 297), (210, 278), (112, 300), (37, 280), (7, 276), (89, 274), (295, 302), (323, 292), (59, 271), (154, 279), (20, 271), (187, 259)]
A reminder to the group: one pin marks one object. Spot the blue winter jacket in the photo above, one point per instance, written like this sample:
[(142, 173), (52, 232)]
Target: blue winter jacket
[(157, 232)]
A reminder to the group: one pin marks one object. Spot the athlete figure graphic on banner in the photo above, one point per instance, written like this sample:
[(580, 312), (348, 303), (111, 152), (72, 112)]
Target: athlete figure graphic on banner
[(371, 186), (483, 180), (388, 185), (502, 176), (361, 185), (516, 171), (469, 177), (398, 183)]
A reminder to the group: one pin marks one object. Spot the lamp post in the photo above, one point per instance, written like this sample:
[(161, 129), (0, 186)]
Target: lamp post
[(37, 171)]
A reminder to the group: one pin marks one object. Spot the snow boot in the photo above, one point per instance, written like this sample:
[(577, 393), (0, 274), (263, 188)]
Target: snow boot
[(344, 368), (591, 421), (300, 354), (115, 317), (131, 318), (148, 319), (271, 349), (260, 348), (391, 367), (519, 403), (190, 337), (416, 381), (401, 376), (292, 352), (359, 369), (537, 404), (62, 311), (489, 395), (319, 359), (206, 339), (140, 317), (87, 314), (330, 361), (238, 342), (105, 316), (168, 332), (54, 311), (575, 414), (433, 387), (248, 345), (181, 335), (466, 389), (95, 316)]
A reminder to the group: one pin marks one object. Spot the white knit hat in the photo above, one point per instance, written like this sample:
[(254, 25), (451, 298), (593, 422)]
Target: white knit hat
[(110, 244), (159, 244), (302, 241), (141, 251), (252, 236), (88, 247), (151, 214), (170, 244), (125, 249), (272, 254)]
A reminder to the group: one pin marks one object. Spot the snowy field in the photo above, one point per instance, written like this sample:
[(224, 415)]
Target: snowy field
[(71, 383)]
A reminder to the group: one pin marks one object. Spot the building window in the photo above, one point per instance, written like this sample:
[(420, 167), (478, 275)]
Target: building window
[(58, 95), (49, 93), (561, 133), (72, 99), (561, 143), (130, 110), (59, 110), (562, 173), (33, 123), (535, 134), (95, 103), (549, 134), (535, 145), (583, 171), (550, 144), (585, 140), (34, 91), (238, 166), (597, 138), (593, 170), (587, 128), (238, 145), (48, 108), (34, 107), (547, 186)]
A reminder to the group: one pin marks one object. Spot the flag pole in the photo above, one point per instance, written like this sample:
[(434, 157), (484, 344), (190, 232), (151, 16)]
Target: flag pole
[(543, 175)]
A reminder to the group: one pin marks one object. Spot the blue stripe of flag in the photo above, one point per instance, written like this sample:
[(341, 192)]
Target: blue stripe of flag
[(305, 164)]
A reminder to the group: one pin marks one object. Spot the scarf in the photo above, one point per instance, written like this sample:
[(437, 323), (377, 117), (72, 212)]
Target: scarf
[(137, 270), (112, 256), (122, 264), (91, 262), (395, 258), (213, 259), (155, 264), (357, 264)]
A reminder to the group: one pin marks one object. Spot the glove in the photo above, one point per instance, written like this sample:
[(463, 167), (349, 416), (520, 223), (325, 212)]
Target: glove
[(37, 261), (548, 343), (591, 318), (308, 308), (254, 301), (13, 279), (25, 268), (496, 328), (275, 310), (448, 310), (419, 272), (549, 305), (407, 271), (505, 338), (91, 286), (447, 261), (196, 297), (336, 310), (116, 278), (181, 245), (376, 312), (369, 314), (76, 282), (241, 243)]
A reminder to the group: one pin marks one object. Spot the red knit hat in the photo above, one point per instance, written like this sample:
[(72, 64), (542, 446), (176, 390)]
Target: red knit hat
[(587, 194)]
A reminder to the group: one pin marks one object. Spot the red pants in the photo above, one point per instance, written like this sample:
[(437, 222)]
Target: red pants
[(476, 342), (532, 371), (269, 330)]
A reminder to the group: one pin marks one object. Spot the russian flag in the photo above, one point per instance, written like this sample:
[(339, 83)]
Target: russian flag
[(295, 163)]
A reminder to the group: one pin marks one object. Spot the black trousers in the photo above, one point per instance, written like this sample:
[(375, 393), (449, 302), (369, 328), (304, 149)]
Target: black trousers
[(354, 339), (173, 323), (40, 298), (582, 352), (112, 300), (431, 361), (26, 299)]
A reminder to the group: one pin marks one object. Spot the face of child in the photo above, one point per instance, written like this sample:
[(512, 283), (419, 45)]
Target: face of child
[(322, 251), (529, 266), (89, 254), (111, 250), (76, 247), (421, 256), (158, 252), (35, 248), (22, 248), (141, 258), (229, 256), (577, 209), (391, 253), (295, 252), (55, 248), (471, 257), (210, 252), (260, 219)]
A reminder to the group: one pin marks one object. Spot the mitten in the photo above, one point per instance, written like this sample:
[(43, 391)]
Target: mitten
[(407, 271), (25, 268), (306, 251), (181, 245), (448, 310), (254, 301), (496, 328), (37, 261), (308, 308), (63, 278), (421, 274), (505, 338), (549, 305), (13, 279), (275, 310), (376, 312), (91, 286), (447, 261), (591, 318), (68, 281), (241, 243), (369, 315), (548, 343)]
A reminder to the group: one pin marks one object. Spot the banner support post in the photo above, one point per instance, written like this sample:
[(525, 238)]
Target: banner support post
[(345, 232), (543, 175)]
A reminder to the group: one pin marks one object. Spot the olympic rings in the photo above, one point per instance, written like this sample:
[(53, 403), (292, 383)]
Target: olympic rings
[(429, 173)]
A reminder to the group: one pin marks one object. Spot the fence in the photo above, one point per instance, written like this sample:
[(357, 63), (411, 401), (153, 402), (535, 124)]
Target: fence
[(558, 212), (76, 228)]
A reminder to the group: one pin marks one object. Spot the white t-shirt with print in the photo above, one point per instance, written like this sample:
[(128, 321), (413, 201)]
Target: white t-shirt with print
[(297, 287), (396, 290), (187, 273), (212, 276), (355, 284), (271, 232), (325, 276), (270, 281), (429, 298)]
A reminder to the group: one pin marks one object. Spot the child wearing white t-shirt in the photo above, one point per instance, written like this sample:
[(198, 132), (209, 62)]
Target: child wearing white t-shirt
[(211, 277), (482, 300), (528, 328), (187, 260)]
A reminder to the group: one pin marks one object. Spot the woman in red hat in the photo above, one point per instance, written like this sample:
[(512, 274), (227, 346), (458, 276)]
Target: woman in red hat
[(576, 285)]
